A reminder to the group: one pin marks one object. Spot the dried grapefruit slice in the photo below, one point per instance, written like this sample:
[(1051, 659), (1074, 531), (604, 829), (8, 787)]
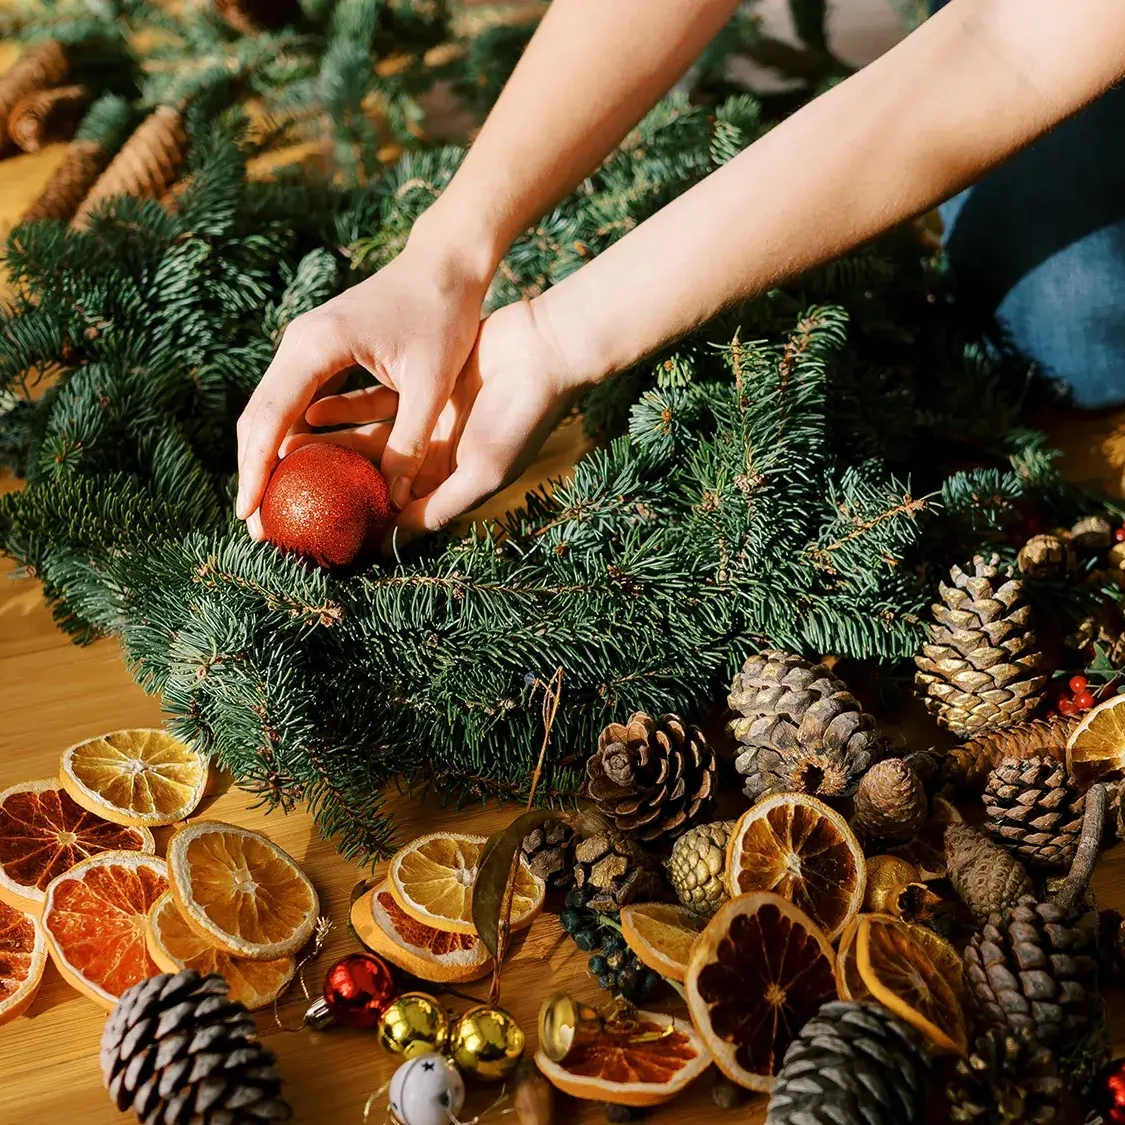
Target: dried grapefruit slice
[(95, 917), (385, 928), (760, 969), (23, 956), (43, 833), (135, 777), (849, 984), (662, 936), (796, 846), (174, 945), (1096, 747), (651, 1064), (432, 880), (897, 963), (240, 891)]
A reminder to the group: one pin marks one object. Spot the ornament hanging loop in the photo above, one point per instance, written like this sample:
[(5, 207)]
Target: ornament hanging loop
[(320, 935)]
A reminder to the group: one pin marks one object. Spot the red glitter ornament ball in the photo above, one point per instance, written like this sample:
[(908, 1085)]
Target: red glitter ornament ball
[(358, 989), (1109, 1093), (326, 503)]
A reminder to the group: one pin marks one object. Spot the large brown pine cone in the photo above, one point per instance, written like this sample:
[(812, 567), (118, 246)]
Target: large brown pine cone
[(47, 115), (988, 878), (1032, 809), (802, 730), (968, 766), (1034, 969), (654, 778), (982, 668), (1006, 1079), (43, 65)]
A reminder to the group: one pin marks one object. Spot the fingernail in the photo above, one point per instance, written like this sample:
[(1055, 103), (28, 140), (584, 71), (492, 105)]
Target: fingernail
[(400, 493), (240, 505)]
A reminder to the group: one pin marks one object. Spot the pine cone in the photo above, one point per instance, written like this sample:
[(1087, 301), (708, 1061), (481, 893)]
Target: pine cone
[(549, 851), (147, 163), (969, 765), (1046, 557), (1007, 1079), (1034, 970), (47, 115), (1092, 534), (851, 1064), (803, 731), (697, 867), (1033, 810), (988, 878), (178, 1051), (36, 69), (253, 16), (890, 803), (618, 869), (982, 668), (654, 778)]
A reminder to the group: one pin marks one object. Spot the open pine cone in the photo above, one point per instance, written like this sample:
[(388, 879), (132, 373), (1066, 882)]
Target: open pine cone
[(654, 778), (1007, 1079), (1032, 809), (615, 868)]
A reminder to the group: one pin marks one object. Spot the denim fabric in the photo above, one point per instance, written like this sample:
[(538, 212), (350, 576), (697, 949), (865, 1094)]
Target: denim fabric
[(1040, 242)]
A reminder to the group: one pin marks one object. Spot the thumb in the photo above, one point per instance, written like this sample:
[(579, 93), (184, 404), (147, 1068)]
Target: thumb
[(461, 491), (409, 442)]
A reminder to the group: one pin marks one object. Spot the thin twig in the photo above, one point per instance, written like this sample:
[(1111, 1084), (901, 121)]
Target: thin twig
[(1093, 823)]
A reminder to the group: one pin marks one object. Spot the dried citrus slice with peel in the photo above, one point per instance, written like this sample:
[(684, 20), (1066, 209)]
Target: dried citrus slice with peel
[(174, 945), (385, 928), (758, 972), (797, 847), (135, 777), (849, 984), (646, 1066), (43, 833), (1096, 747), (432, 880), (95, 918), (897, 965), (23, 957), (241, 891), (662, 936)]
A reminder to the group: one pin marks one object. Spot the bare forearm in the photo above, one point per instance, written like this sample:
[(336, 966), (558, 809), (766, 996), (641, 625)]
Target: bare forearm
[(971, 87), (591, 71)]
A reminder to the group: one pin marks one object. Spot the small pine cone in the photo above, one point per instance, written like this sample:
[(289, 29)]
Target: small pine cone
[(1032, 809), (968, 766), (1033, 969), (802, 730), (1046, 557), (177, 1049), (982, 668), (851, 1064), (890, 803), (37, 68), (47, 115), (617, 868), (988, 878), (146, 165), (1007, 1079), (549, 851), (1092, 534), (697, 867), (654, 778), (253, 16)]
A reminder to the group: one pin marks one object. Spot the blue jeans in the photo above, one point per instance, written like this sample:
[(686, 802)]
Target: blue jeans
[(1040, 242)]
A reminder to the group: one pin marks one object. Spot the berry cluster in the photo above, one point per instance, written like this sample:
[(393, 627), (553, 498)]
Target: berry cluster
[(612, 962), (1079, 699)]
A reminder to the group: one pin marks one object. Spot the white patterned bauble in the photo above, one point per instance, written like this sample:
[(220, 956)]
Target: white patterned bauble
[(426, 1090)]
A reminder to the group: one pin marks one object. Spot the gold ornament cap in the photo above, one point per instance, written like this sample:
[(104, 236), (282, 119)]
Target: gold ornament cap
[(565, 1024), (412, 1024), (486, 1043)]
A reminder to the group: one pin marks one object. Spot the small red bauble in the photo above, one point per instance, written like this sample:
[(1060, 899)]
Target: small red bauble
[(1109, 1093), (358, 989), (1084, 700), (326, 503), (1119, 534), (1078, 684), (1067, 707)]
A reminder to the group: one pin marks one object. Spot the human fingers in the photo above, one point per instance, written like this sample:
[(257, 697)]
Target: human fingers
[(419, 406), (466, 487), (368, 404), (368, 440)]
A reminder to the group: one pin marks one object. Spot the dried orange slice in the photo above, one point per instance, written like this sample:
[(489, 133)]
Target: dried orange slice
[(174, 945), (432, 880), (760, 969), (240, 891), (796, 846), (897, 963), (23, 957), (1096, 747), (385, 928), (95, 917), (650, 1064), (849, 984), (44, 833), (662, 936), (135, 777)]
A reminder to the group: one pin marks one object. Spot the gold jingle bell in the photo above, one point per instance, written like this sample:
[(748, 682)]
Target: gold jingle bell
[(486, 1043), (413, 1024), (566, 1024)]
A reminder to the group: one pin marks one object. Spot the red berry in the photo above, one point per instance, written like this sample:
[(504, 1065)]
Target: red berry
[(1119, 534), (1067, 707), (1078, 684), (1084, 700)]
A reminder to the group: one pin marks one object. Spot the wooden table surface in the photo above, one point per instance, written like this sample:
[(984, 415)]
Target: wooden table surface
[(53, 694)]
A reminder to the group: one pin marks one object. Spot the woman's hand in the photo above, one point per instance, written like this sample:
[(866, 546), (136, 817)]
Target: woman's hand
[(412, 326)]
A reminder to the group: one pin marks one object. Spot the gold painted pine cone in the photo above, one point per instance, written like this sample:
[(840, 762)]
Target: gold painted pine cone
[(697, 866)]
